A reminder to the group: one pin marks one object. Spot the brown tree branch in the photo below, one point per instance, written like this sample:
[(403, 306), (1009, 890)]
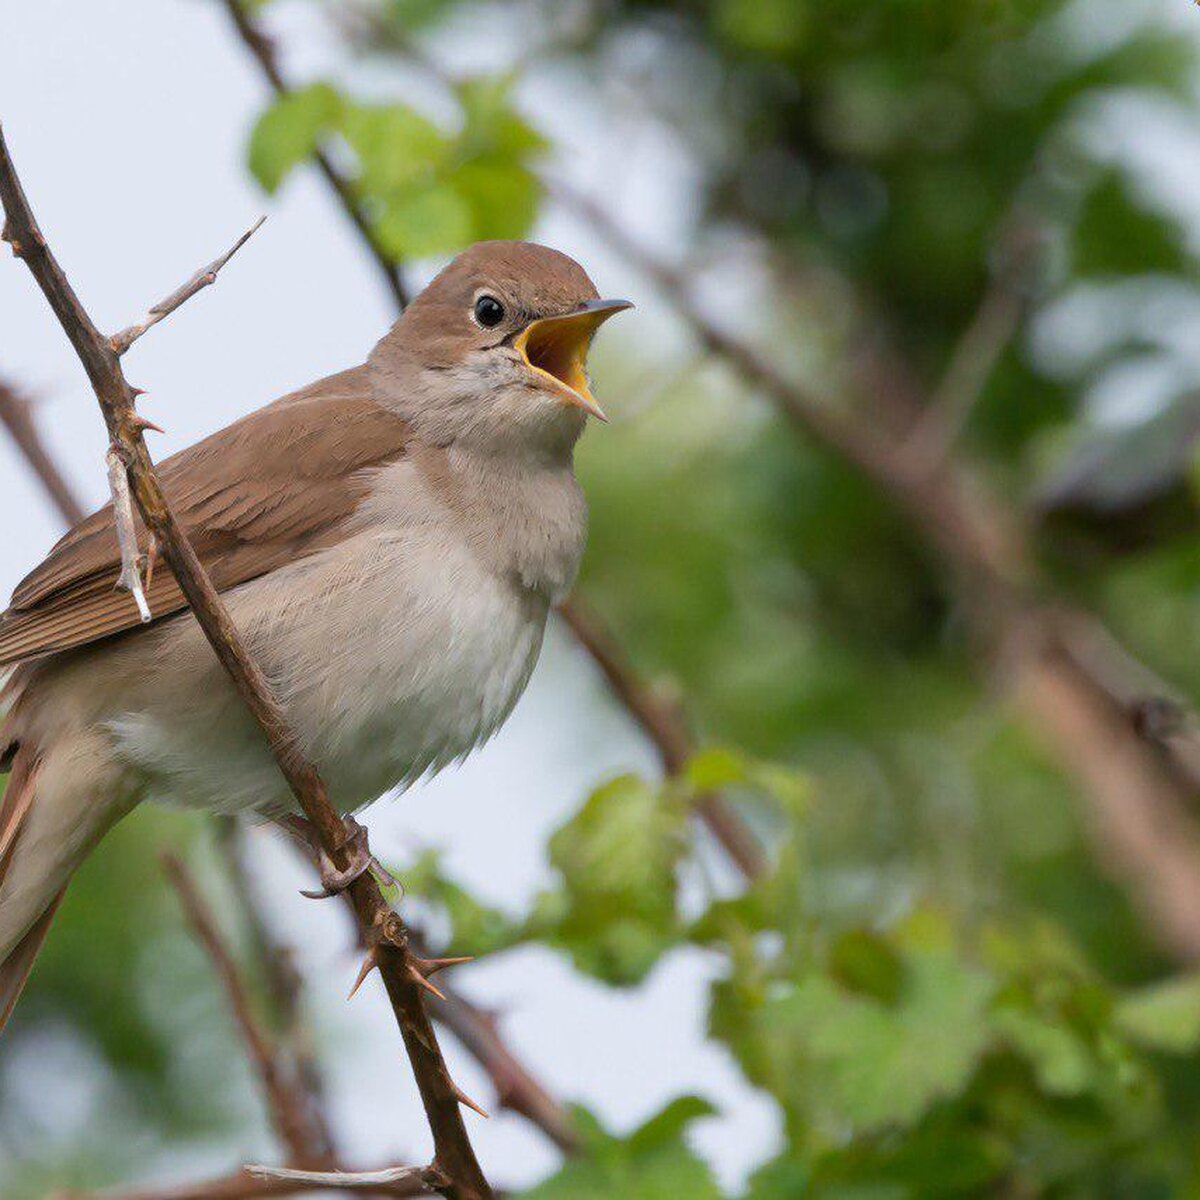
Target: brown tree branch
[(282, 982), (454, 1170), (259, 45), (660, 720), (286, 1102), (17, 418)]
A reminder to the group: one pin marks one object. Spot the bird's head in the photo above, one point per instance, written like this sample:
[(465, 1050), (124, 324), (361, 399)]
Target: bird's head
[(494, 350)]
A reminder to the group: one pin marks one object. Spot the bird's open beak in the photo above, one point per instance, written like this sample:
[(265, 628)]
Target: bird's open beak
[(557, 348)]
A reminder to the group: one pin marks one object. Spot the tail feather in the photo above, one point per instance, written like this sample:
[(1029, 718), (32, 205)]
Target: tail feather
[(14, 808), (15, 969)]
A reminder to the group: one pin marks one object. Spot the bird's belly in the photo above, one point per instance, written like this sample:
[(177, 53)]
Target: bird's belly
[(392, 656)]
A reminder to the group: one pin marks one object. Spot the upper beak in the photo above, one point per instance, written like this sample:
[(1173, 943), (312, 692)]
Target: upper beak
[(557, 348)]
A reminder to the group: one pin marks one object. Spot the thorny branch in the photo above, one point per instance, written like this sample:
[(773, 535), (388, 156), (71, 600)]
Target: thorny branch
[(454, 1171), (662, 720), (290, 1112), (205, 277)]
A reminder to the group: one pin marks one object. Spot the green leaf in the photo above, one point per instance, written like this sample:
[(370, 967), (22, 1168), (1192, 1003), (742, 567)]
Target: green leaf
[(618, 859), (503, 198), (652, 1163), (423, 220), (476, 929), (290, 130), (842, 1060), (394, 145), (668, 1125), (864, 962), (1165, 1017), (492, 128)]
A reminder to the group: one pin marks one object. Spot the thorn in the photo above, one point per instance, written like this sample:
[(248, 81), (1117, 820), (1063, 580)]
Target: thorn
[(136, 391), (368, 965), (431, 966), (420, 979), (463, 1098), (141, 424)]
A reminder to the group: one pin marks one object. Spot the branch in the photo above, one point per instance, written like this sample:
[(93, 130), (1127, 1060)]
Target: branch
[(263, 52), (17, 417), (283, 985), (740, 842), (243, 1186), (454, 1160), (290, 1114), (664, 722), (205, 277), (978, 351)]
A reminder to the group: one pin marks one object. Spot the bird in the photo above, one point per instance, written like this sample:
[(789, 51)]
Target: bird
[(389, 541)]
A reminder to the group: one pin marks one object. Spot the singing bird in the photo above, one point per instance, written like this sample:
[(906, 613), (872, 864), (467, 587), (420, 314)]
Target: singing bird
[(389, 541)]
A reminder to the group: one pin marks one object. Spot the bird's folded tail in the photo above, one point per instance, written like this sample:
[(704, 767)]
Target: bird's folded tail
[(15, 806)]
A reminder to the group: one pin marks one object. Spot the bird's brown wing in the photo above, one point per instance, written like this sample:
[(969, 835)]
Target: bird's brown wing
[(271, 488)]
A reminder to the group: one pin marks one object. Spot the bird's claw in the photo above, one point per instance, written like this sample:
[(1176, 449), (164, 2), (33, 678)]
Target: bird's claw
[(334, 880)]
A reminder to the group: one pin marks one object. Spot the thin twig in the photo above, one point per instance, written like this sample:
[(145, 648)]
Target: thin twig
[(343, 1180), (454, 1162), (259, 45), (205, 277), (242, 1186), (130, 578), (17, 417), (285, 1101), (977, 352)]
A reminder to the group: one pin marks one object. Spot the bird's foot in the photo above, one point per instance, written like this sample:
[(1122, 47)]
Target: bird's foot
[(335, 880)]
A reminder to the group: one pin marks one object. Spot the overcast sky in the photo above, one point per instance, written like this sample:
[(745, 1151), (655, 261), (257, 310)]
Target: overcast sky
[(127, 120)]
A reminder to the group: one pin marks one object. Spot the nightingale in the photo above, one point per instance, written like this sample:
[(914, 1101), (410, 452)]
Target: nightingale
[(389, 541)]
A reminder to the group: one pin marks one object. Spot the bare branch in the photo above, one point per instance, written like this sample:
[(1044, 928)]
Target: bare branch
[(283, 985), (285, 1102), (205, 277), (453, 1155), (242, 1186), (342, 1180), (978, 351), (17, 417)]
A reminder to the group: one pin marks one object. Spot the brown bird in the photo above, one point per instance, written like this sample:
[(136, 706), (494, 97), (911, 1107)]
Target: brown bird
[(389, 540)]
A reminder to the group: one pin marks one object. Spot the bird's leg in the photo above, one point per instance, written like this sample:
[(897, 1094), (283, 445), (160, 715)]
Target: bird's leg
[(334, 881)]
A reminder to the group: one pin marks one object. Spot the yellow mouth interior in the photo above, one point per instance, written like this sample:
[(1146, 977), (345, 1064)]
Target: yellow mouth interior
[(558, 347)]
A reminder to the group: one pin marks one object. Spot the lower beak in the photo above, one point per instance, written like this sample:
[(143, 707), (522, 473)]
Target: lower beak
[(557, 348)]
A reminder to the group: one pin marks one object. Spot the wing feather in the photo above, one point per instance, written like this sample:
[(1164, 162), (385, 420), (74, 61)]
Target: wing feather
[(277, 485)]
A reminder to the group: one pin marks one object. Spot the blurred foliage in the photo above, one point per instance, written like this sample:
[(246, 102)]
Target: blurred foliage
[(935, 984)]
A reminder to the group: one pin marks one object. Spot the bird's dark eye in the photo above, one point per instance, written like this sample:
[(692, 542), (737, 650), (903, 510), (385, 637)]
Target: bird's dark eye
[(489, 312)]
